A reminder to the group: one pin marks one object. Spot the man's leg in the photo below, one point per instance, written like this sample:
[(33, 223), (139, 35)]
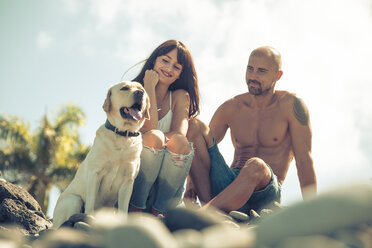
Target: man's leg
[(198, 134), (255, 175)]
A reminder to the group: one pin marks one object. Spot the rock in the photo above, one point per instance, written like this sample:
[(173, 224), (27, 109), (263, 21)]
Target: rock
[(222, 236), (107, 218), (265, 212), (137, 230), (183, 218), (82, 226), (274, 206), (325, 214), (18, 207), (239, 216), (188, 238), (11, 237), (80, 217), (254, 217), (312, 241), (67, 237)]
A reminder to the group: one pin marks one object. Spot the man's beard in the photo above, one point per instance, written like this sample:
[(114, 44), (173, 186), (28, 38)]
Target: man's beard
[(255, 90)]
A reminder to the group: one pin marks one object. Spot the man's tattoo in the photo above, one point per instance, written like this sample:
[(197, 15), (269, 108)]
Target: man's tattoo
[(300, 111)]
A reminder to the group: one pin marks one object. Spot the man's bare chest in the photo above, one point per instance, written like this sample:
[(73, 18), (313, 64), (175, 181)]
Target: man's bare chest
[(255, 128)]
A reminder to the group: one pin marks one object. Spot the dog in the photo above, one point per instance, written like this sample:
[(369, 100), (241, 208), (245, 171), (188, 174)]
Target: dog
[(106, 176)]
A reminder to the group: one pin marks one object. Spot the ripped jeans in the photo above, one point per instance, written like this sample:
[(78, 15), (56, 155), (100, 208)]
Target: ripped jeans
[(160, 182)]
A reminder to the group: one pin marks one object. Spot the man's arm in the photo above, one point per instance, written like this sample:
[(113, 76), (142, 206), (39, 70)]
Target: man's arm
[(218, 124), (300, 130), (202, 137)]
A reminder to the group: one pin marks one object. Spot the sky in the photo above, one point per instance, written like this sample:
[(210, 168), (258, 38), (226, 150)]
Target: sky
[(70, 51)]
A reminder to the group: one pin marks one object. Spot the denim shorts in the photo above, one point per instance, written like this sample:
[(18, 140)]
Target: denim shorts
[(160, 181), (221, 176)]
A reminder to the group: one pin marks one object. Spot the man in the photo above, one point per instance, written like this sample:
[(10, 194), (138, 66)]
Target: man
[(268, 129)]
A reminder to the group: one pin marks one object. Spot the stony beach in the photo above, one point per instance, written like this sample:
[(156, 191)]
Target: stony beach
[(339, 218)]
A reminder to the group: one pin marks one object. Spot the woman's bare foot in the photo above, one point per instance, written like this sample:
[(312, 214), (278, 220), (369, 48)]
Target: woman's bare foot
[(157, 213), (134, 209)]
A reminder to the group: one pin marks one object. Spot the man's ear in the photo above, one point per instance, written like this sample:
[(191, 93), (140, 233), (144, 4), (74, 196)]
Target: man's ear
[(279, 75), (107, 104), (147, 111)]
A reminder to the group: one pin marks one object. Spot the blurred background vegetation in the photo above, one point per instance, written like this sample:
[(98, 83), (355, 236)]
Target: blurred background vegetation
[(46, 157)]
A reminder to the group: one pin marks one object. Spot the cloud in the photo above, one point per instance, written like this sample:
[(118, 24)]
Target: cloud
[(72, 7), (43, 40), (326, 61), (106, 11)]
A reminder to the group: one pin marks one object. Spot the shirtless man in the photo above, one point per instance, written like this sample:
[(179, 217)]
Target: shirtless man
[(268, 129)]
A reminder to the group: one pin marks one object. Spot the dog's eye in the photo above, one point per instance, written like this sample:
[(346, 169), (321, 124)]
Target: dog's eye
[(125, 88)]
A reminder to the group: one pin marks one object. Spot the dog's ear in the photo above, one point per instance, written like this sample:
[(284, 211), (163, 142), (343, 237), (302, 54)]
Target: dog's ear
[(147, 110), (107, 104)]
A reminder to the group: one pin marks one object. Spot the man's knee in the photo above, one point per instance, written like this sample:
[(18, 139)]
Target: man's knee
[(154, 139), (194, 128), (199, 130), (256, 168)]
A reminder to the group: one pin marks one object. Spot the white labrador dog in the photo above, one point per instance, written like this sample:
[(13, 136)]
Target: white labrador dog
[(106, 176)]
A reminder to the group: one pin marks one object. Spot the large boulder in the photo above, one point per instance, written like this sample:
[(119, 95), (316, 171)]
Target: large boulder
[(19, 208)]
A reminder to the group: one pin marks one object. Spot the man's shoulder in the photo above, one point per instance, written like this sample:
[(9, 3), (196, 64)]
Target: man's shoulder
[(230, 105), (292, 104), (239, 98), (285, 94), (236, 100), (285, 97)]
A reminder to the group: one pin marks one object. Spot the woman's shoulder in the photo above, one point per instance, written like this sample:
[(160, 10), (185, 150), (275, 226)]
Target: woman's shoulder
[(180, 95)]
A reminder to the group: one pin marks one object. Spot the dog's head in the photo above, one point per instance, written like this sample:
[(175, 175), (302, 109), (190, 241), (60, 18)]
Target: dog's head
[(127, 106)]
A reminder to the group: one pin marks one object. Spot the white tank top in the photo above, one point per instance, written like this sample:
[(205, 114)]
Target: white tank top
[(164, 123)]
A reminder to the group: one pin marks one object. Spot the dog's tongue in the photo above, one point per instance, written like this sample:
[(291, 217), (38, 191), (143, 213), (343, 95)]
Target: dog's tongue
[(135, 113)]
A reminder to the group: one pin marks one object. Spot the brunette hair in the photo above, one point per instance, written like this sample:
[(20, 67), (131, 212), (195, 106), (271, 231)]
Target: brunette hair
[(187, 80)]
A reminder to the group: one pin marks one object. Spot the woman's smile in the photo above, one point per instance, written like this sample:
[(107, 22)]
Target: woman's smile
[(165, 73)]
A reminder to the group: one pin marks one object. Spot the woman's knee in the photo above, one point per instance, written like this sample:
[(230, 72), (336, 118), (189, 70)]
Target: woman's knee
[(178, 144), (154, 138)]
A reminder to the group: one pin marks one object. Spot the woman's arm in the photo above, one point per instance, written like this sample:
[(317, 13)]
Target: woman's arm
[(150, 81), (180, 107)]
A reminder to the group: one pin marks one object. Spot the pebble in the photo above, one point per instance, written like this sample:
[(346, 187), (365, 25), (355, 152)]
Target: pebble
[(183, 218), (239, 216)]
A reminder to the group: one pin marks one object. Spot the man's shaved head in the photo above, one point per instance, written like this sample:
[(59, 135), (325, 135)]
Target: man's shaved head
[(270, 52)]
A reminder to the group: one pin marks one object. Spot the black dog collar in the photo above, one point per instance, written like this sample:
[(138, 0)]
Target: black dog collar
[(126, 133)]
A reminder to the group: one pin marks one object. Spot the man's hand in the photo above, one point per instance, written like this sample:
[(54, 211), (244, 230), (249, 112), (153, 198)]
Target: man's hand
[(190, 195)]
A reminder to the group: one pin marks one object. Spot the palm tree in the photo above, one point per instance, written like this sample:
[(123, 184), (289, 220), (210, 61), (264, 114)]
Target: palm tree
[(49, 156)]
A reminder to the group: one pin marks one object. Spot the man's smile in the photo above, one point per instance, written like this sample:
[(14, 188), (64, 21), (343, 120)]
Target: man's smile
[(254, 83)]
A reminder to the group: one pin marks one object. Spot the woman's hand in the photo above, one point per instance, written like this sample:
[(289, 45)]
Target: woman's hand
[(151, 79)]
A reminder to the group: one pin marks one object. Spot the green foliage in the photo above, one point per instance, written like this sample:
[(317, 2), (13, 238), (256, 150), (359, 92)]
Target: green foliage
[(50, 155)]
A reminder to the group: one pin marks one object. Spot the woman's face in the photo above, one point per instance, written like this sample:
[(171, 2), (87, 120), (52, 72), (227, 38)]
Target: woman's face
[(168, 67)]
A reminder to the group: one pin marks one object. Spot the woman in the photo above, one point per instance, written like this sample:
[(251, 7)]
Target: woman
[(170, 80)]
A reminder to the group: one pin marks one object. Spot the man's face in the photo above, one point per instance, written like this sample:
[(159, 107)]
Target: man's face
[(261, 75)]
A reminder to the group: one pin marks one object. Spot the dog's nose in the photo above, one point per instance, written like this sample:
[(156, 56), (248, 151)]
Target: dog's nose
[(138, 94)]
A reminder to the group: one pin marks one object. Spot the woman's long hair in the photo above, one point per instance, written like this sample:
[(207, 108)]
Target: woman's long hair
[(187, 80)]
